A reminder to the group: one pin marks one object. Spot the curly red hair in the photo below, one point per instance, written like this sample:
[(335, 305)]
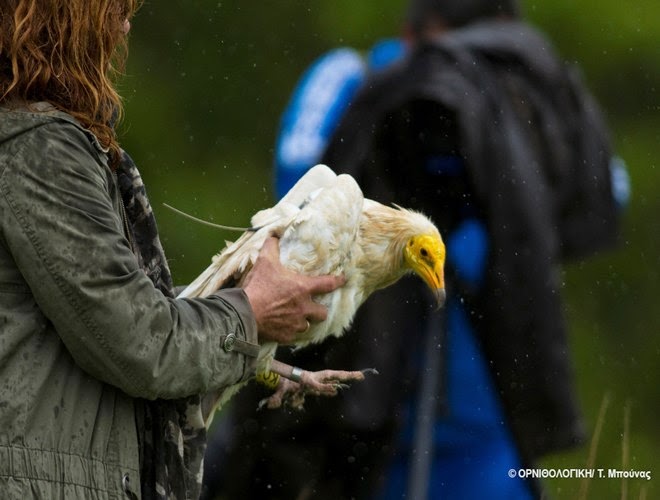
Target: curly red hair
[(67, 53)]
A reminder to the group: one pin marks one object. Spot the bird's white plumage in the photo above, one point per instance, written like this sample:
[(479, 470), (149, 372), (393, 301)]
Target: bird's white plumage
[(325, 227), (318, 223)]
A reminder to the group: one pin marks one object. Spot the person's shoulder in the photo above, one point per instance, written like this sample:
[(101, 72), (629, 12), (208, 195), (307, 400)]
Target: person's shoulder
[(340, 57), (38, 138), (382, 86), (39, 127), (331, 77)]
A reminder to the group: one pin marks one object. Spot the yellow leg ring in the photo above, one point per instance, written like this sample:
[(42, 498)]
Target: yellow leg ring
[(269, 379)]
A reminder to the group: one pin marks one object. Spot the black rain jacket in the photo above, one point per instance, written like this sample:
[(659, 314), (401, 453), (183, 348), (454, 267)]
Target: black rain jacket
[(537, 154)]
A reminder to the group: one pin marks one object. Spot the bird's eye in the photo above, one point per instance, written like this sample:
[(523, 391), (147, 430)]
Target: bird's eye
[(424, 252)]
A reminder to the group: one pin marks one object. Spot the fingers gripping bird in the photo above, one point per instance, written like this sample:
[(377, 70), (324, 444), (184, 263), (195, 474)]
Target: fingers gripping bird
[(326, 226)]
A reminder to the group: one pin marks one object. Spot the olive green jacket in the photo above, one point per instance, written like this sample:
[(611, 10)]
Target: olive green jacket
[(83, 331)]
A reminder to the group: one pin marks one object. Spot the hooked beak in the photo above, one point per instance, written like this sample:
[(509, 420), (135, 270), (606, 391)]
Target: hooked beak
[(440, 297), (433, 276), (425, 255)]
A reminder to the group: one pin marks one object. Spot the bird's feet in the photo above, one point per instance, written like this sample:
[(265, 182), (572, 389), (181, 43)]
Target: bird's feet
[(295, 384)]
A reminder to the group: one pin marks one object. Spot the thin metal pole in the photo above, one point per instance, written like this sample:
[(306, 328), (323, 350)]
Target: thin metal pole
[(421, 458)]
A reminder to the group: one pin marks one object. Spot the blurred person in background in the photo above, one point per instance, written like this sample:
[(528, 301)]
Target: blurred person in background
[(102, 369), (473, 119)]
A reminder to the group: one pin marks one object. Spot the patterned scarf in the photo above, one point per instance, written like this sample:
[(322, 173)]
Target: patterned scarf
[(171, 433)]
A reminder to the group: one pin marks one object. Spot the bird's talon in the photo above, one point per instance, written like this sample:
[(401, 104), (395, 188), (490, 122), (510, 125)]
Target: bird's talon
[(370, 371), (262, 404)]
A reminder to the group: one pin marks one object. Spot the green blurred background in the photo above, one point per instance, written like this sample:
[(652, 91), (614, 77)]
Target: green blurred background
[(205, 86)]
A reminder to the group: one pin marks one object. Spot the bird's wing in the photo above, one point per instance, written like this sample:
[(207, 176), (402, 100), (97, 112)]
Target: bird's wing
[(321, 239), (237, 258), (322, 233), (228, 265), (317, 177)]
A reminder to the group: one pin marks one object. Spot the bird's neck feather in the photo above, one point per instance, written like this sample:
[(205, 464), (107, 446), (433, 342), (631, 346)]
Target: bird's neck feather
[(382, 243)]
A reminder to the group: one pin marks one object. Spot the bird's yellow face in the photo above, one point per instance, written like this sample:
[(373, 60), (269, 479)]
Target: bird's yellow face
[(425, 254)]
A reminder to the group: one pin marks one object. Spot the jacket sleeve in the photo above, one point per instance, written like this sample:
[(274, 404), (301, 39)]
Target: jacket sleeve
[(60, 224)]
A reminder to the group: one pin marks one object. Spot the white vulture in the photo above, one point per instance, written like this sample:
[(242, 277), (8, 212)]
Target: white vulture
[(326, 226)]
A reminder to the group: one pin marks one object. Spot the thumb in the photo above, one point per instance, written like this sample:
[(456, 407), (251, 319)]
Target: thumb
[(271, 248)]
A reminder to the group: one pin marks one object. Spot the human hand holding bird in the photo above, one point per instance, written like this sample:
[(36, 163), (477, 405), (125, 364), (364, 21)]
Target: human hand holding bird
[(325, 228), (282, 300)]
